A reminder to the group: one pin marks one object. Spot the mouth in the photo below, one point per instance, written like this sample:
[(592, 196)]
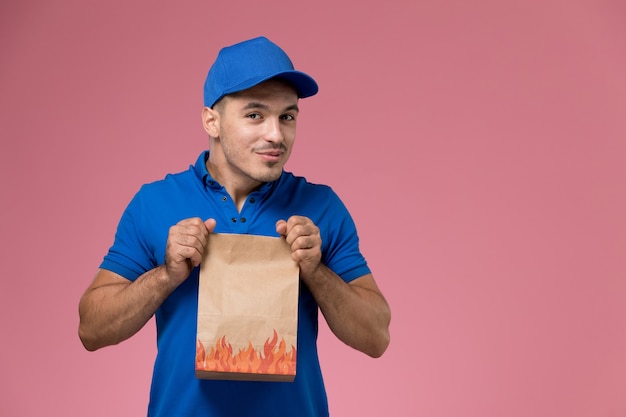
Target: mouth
[(271, 155)]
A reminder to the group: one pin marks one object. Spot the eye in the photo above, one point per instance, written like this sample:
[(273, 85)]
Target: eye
[(288, 117), (253, 116)]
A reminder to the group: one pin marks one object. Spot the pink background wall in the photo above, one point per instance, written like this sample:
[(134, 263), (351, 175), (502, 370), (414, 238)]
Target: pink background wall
[(480, 146)]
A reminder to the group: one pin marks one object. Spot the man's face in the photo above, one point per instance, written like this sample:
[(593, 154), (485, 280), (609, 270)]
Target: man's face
[(256, 132)]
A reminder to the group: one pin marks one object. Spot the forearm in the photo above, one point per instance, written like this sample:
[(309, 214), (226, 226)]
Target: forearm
[(113, 308), (357, 313)]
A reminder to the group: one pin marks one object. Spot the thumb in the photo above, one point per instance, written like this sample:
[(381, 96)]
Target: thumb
[(210, 224), (281, 227)]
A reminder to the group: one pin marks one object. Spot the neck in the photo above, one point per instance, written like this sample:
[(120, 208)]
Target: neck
[(238, 187)]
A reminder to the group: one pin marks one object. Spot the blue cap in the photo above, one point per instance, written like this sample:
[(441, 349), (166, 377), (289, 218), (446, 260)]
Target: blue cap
[(248, 63)]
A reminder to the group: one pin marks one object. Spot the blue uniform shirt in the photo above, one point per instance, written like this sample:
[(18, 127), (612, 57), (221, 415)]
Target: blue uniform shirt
[(140, 246)]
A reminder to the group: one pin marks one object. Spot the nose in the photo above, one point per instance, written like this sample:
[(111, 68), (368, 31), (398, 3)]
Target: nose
[(274, 131)]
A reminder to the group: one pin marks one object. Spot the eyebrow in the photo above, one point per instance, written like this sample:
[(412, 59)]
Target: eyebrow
[(262, 106)]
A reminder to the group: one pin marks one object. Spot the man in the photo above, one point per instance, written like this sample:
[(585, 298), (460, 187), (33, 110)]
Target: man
[(251, 108)]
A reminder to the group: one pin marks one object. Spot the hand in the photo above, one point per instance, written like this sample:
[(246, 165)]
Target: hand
[(306, 243), (185, 247)]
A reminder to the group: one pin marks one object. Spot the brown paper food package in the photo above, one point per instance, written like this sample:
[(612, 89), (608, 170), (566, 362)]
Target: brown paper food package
[(247, 309)]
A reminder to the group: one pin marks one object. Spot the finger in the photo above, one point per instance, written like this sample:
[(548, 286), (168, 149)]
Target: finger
[(304, 243), (281, 227), (302, 231), (210, 225), (294, 221), (188, 240), (188, 254), (189, 235)]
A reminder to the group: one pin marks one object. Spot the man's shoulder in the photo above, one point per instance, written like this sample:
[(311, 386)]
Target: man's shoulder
[(192, 176), (171, 184), (289, 179), (299, 191)]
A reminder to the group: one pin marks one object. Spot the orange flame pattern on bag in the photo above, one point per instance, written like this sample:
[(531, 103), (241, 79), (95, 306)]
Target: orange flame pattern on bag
[(273, 360)]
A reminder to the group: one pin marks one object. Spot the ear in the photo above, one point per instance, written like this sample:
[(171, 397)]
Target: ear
[(211, 121)]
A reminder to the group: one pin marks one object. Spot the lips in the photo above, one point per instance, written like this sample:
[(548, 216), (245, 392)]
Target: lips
[(271, 155)]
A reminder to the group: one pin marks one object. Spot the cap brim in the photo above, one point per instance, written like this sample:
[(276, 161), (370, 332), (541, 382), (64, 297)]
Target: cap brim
[(304, 84)]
